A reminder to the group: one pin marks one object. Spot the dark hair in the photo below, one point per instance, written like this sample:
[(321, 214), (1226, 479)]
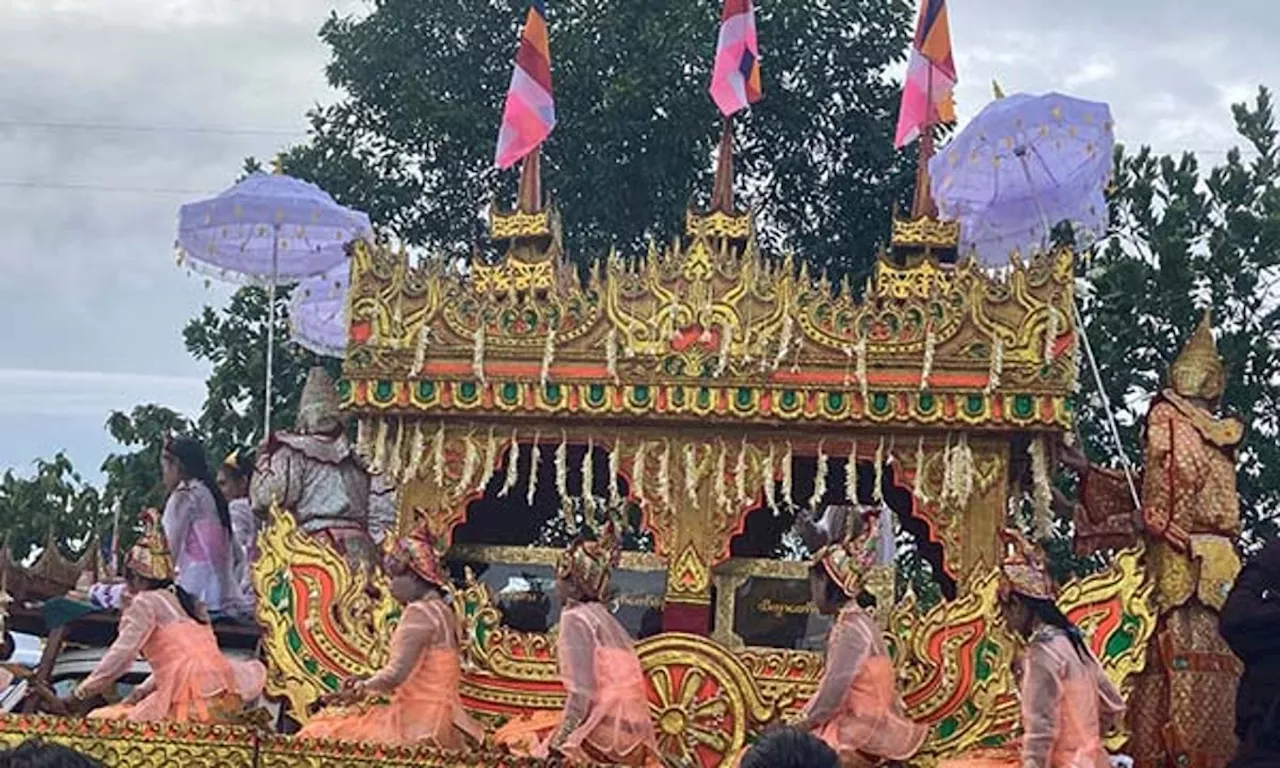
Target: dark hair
[(189, 603), (37, 754), (830, 589), (789, 748), (241, 468), (189, 453), (1048, 612)]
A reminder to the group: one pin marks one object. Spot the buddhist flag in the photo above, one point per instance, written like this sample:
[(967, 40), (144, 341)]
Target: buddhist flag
[(530, 111), (735, 83), (931, 75)]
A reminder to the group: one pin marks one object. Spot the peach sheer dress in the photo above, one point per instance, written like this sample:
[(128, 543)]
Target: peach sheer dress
[(421, 682), (191, 681), (1067, 703), (608, 697), (857, 709)]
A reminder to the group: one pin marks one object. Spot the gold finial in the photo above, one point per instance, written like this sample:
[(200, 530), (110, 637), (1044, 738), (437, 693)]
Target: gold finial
[(996, 90), (277, 165), (1198, 370)]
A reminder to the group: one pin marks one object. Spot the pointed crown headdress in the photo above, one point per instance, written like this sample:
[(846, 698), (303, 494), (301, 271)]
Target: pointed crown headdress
[(1198, 371)]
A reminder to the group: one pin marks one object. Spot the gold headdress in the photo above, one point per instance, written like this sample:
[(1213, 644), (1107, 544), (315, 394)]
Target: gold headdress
[(847, 562), (1198, 370), (150, 557), (417, 552), (318, 409), (233, 460), (1025, 569), (590, 564)]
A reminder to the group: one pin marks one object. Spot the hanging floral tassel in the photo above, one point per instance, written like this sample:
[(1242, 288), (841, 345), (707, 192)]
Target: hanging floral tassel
[(962, 473), (535, 461), (691, 474), (420, 351), (851, 475), (877, 493), (548, 357), (726, 343), (740, 475), (611, 354), (770, 492), (380, 448), (395, 465), (784, 341), (860, 369), (918, 488), (1050, 334), (788, 476), (997, 366), (820, 478), (930, 348), (589, 480), (512, 475), (1042, 490), (470, 466), (490, 462), (417, 453), (477, 353), (437, 456), (637, 471), (721, 487), (562, 469), (664, 475), (615, 466)]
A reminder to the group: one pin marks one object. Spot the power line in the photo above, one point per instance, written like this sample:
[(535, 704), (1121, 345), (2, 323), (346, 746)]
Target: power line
[(126, 128), (16, 184)]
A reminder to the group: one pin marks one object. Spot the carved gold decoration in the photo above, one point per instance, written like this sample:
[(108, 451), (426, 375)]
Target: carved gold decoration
[(925, 232), (718, 225), (512, 275), (510, 225), (322, 623), (121, 744)]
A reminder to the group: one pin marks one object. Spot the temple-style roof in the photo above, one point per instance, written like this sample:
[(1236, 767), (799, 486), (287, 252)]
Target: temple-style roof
[(710, 329)]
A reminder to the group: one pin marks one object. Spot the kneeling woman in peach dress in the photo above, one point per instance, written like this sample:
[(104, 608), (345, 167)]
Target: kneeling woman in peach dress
[(420, 681), (191, 681), (1067, 700), (606, 719), (857, 710)]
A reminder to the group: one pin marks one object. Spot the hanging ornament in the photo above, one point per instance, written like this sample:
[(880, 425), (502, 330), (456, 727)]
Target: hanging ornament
[(437, 456), (417, 453), (490, 462), (997, 366), (787, 477), (512, 475), (664, 475), (784, 341), (718, 480), (918, 487), (364, 440), (395, 464), (548, 357), (470, 466), (851, 475), (1050, 334), (477, 353), (637, 471), (691, 474), (877, 493), (860, 369), (615, 466), (820, 478), (535, 461), (1042, 490), (611, 354), (962, 473), (740, 475), (420, 351), (589, 480), (726, 342), (562, 469), (380, 448), (930, 348), (847, 349), (770, 492)]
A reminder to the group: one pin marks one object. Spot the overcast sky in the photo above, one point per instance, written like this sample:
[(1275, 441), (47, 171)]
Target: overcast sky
[(112, 114)]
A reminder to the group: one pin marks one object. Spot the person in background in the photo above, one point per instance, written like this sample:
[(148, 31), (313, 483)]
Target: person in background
[(37, 754), (233, 481), (790, 748), (197, 521), (191, 681), (606, 718), (856, 710), (425, 668), (1250, 623), (1067, 701)]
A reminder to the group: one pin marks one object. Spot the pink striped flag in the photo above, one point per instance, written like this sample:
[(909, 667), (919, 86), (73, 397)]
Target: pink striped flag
[(931, 76), (735, 83), (530, 111)]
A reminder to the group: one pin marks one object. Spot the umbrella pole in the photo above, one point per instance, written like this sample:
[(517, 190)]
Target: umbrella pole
[(271, 328), (1114, 429)]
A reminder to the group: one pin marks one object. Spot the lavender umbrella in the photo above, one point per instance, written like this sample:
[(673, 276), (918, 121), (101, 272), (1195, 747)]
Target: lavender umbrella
[(1023, 165), (317, 312), (271, 230)]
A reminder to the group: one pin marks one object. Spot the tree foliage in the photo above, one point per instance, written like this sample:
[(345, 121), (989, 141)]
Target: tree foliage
[(1186, 237), (412, 143), (54, 500)]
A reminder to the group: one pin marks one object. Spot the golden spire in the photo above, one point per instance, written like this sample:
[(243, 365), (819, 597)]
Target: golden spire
[(996, 90), (1198, 370)]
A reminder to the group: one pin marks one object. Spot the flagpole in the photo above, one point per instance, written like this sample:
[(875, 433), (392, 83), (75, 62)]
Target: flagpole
[(722, 190), (922, 204)]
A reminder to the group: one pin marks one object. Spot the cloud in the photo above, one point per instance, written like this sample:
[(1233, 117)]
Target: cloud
[(74, 394)]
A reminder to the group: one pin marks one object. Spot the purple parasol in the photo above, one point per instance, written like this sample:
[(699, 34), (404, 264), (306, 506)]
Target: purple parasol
[(1023, 165), (317, 312), (271, 230)]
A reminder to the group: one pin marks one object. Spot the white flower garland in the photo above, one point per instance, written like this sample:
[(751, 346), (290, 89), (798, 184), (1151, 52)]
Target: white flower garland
[(860, 369), (918, 487), (562, 469), (417, 453), (770, 492), (877, 493), (691, 474), (420, 352), (851, 475), (664, 475), (548, 357), (721, 488), (589, 480), (490, 461), (477, 353), (740, 475), (1042, 490), (512, 475), (615, 465), (437, 456), (1050, 334), (470, 466), (820, 477), (930, 348), (784, 341), (611, 353), (726, 343), (380, 448), (997, 365), (395, 465), (961, 473), (638, 470), (788, 476), (535, 461)]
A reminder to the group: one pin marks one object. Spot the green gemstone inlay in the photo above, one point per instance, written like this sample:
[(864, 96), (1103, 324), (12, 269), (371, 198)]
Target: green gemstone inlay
[(1022, 406), (510, 392), (383, 390)]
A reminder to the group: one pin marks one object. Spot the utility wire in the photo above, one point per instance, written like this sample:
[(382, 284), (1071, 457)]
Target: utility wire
[(126, 128)]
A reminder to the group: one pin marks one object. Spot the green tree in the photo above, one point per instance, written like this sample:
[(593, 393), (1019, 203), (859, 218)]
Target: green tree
[(1185, 237), (54, 500), (412, 143), (133, 476)]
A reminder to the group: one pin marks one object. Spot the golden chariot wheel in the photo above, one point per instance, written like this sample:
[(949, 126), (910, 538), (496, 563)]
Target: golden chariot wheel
[(703, 700)]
